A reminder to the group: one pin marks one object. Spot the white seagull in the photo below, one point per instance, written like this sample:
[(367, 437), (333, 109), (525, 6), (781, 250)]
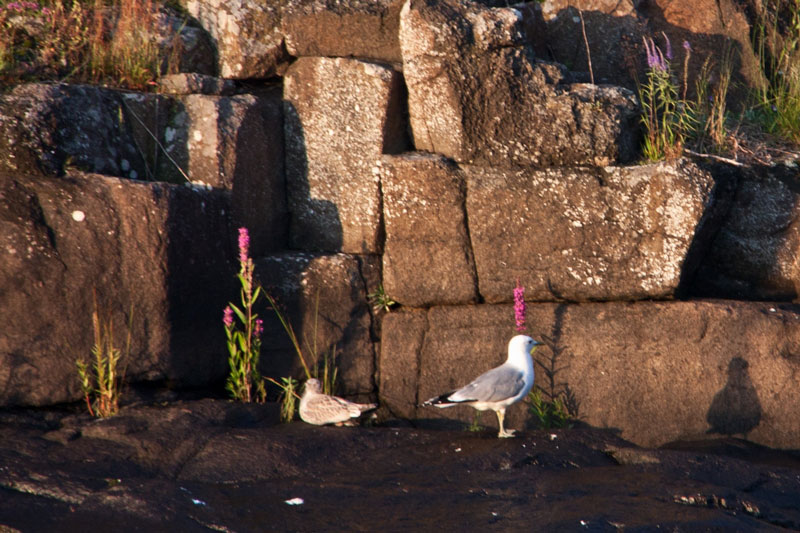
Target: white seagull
[(320, 409), (499, 387)]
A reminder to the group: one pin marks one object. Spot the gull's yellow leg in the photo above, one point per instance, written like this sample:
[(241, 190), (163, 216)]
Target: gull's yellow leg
[(504, 433)]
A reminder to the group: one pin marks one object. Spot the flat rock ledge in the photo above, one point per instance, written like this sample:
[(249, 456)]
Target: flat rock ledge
[(200, 465)]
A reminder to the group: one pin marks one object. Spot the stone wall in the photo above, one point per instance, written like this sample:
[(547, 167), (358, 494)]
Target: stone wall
[(432, 148)]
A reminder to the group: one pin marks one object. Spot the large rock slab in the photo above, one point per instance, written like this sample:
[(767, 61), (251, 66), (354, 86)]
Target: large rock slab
[(655, 371), (756, 253), (246, 34), (477, 94), (156, 255), (340, 115), (614, 233), (324, 298), (365, 29), (195, 465), (228, 142), (427, 256)]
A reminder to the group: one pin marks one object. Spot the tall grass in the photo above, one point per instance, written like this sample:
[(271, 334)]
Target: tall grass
[(776, 39), (113, 42), (710, 106)]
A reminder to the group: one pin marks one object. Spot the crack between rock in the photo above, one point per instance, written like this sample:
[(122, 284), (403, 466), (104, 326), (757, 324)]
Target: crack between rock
[(468, 234), (373, 318)]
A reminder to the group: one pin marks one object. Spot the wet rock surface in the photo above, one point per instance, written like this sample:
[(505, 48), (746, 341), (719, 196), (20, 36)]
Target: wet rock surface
[(210, 464)]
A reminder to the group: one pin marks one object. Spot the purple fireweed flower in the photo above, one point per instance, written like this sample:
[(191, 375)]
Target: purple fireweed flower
[(259, 328), (519, 306), (244, 244), (655, 59), (668, 47), (227, 317), (687, 46)]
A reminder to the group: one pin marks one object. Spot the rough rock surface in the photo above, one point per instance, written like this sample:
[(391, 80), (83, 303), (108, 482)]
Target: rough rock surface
[(233, 143), (613, 233), (756, 254), (324, 298), (246, 33), (476, 94), (614, 31), (216, 465), (155, 255), (365, 29), (194, 83), (340, 115), (46, 128), (426, 232), (699, 368)]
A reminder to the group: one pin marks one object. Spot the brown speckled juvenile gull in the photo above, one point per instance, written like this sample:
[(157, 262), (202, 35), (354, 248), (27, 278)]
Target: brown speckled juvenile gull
[(320, 409)]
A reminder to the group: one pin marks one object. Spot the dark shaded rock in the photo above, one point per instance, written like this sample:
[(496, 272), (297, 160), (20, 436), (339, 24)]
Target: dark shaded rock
[(756, 253), (340, 115), (615, 233), (614, 31), (156, 255), (424, 213), (195, 53), (398, 369), (364, 29), (476, 94), (324, 298), (653, 371)]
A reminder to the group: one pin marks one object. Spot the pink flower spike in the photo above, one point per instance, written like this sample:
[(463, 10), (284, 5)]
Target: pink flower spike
[(227, 317), (244, 244), (259, 329), (519, 307)]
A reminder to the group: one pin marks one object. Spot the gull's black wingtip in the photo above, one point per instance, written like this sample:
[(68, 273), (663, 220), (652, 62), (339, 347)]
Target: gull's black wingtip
[(438, 400), (443, 400)]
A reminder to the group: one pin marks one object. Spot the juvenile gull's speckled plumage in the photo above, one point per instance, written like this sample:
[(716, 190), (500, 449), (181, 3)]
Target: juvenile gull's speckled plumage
[(499, 387), (320, 409)]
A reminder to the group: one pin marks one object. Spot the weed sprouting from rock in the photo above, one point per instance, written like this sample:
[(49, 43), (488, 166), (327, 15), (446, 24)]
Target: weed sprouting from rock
[(244, 337), (101, 380), (667, 119), (552, 409)]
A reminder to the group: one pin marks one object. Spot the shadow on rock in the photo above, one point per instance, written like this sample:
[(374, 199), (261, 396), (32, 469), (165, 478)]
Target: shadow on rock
[(736, 408)]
